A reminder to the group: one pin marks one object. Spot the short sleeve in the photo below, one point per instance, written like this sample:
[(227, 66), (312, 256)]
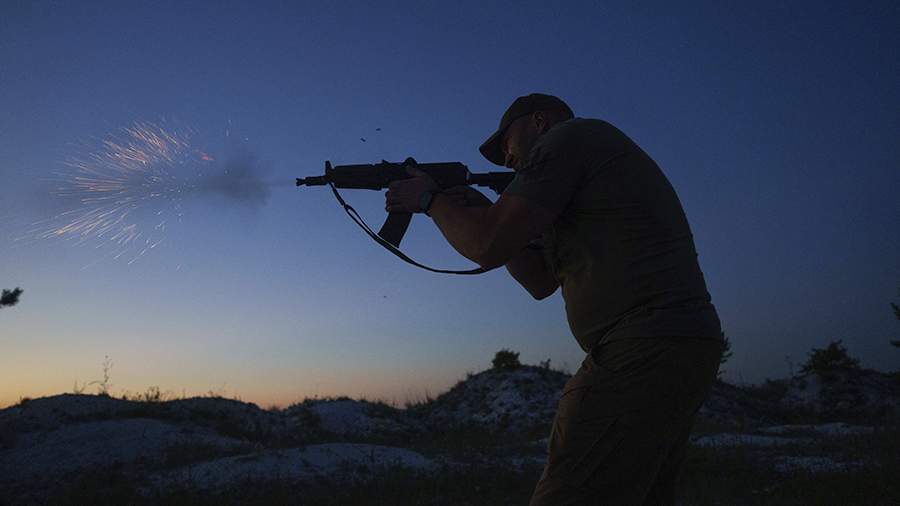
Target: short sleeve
[(554, 172)]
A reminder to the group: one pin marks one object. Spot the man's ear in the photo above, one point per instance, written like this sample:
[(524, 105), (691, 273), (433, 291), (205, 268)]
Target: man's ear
[(539, 119)]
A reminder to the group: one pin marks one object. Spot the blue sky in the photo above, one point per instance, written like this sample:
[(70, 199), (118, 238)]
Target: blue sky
[(776, 123)]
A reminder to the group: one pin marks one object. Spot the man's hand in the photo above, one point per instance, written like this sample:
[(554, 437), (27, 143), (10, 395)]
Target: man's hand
[(403, 196)]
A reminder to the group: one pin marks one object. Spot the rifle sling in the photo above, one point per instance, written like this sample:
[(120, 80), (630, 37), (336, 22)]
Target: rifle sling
[(387, 245)]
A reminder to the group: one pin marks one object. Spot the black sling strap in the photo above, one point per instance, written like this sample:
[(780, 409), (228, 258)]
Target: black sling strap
[(387, 245)]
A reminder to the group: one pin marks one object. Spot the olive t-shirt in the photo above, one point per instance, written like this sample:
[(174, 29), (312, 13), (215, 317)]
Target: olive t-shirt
[(621, 246)]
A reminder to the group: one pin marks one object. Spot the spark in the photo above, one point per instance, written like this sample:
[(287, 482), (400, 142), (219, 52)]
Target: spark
[(115, 187)]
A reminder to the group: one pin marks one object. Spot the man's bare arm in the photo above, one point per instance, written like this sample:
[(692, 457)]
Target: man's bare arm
[(490, 236), (530, 269), (460, 225)]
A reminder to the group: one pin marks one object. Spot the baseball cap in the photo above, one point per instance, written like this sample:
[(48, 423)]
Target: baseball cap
[(527, 104)]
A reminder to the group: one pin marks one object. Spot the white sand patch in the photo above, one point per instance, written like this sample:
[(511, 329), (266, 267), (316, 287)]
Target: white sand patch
[(343, 417), (730, 440), (51, 412), (812, 465), (501, 400), (348, 417), (824, 429), (343, 460), (99, 444)]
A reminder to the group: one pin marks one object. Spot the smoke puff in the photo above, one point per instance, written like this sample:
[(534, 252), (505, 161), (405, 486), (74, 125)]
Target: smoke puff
[(239, 179)]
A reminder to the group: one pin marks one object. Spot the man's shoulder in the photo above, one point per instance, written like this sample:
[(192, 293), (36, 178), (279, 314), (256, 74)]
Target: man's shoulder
[(580, 134), (587, 122), (562, 134), (580, 128)]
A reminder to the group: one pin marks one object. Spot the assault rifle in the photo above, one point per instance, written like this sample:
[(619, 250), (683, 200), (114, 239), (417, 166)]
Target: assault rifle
[(380, 175)]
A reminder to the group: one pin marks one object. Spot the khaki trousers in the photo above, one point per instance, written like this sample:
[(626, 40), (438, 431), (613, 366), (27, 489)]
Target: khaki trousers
[(623, 421)]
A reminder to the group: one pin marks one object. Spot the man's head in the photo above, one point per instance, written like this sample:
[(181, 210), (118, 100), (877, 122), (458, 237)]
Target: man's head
[(528, 118)]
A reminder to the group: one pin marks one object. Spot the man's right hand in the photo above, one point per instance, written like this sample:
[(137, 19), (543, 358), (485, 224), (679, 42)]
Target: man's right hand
[(467, 196)]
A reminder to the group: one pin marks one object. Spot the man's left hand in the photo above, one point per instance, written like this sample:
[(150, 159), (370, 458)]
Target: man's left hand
[(403, 196)]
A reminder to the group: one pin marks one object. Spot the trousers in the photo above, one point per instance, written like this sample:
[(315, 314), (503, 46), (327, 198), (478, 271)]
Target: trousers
[(623, 422)]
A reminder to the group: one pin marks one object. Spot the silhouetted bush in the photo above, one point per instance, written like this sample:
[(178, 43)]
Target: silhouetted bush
[(506, 359), (832, 358), (10, 297), (726, 354)]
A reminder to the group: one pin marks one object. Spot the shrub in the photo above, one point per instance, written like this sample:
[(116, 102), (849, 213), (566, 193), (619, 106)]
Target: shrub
[(726, 354), (832, 358), (506, 359), (10, 297), (151, 395)]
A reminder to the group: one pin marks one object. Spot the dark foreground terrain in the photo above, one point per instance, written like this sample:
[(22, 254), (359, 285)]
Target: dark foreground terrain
[(820, 438)]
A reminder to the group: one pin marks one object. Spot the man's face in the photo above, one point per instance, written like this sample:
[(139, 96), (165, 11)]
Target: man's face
[(518, 140)]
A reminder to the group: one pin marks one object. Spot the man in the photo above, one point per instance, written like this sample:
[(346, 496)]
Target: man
[(589, 212)]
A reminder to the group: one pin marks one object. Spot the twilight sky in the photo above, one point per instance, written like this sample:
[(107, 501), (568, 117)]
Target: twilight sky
[(778, 125)]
